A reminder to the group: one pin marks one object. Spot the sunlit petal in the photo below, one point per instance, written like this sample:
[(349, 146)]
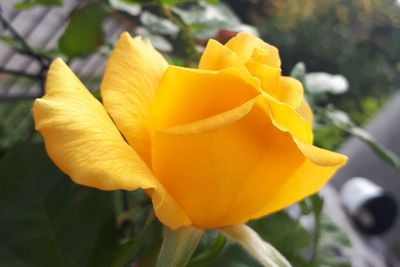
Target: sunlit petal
[(248, 47), (269, 77), (287, 120), (186, 95), (290, 91), (217, 57), (131, 78), (305, 111), (310, 176), (235, 173), (83, 142)]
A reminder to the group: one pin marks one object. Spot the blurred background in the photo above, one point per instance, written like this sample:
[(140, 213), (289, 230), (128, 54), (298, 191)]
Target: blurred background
[(346, 53)]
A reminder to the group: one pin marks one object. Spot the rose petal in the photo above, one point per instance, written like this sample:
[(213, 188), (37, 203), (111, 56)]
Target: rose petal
[(84, 143), (305, 111), (214, 122), (318, 166), (247, 47), (269, 77), (238, 172), (130, 81), (187, 95), (290, 91), (217, 57), (287, 120)]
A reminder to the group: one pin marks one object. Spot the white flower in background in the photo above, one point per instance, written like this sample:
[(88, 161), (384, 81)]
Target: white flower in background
[(322, 82)]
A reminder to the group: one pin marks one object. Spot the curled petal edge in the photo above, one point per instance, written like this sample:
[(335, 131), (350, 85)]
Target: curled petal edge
[(213, 123), (74, 123)]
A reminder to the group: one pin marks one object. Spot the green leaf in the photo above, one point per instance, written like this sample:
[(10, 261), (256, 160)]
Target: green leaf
[(154, 2), (15, 125), (126, 251), (331, 233), (141, 2), (84, 33), (158, 41), (141, 245), (317, 204), (341, 120), (158, 25), (32, 3), (332, 245), (210, 253), (47, 220), (299, 71), (284, 233), (382, 152), (205, 20), (8, 259), (129, 8), (234, 256)]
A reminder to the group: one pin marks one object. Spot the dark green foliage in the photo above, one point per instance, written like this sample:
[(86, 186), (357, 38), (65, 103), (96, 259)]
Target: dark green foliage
[(16, 122), (281, 231), (32, 3), (213, 245), (284, 233), (235, 256), (84, 33), (46, 220)]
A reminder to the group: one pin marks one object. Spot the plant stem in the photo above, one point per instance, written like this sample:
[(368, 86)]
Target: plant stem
[(26, 47), (316, 236), (317, 204), (178, 246), (20, 73), (260, 250), (185, 34)]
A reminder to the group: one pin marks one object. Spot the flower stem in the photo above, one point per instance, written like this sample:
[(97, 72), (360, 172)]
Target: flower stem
[(262, 251), (185, 34), (178, 246)]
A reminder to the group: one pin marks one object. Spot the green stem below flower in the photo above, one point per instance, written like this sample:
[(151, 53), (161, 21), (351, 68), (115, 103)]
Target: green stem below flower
[(178, 246), (262, 251), (185, 34)]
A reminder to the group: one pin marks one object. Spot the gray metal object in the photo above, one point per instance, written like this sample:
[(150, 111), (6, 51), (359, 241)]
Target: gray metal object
[(371, 208), (360, 254), (385, 127)]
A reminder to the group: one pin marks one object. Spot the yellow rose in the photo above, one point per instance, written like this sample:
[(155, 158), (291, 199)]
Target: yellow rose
[(213, 147)]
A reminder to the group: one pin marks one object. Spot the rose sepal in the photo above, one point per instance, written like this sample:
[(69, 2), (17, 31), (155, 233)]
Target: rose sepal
[(259, 249)]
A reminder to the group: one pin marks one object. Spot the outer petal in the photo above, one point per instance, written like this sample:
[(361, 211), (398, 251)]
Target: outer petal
[(249, 47), (217, 57), (269, 77), (318, 166), (214, 122), (83, 142), (131, 78), (237, 172), (290, 91), (288, 120), (305, 111), (186, 95)]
